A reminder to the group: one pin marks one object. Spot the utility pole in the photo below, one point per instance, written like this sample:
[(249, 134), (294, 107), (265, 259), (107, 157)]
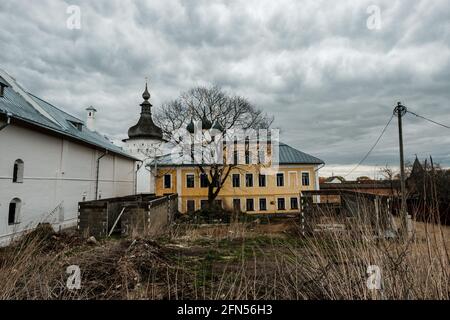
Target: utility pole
[(400, 111)]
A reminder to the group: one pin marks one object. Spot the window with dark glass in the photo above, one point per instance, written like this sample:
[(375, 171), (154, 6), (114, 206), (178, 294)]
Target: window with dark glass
[(280, 179), (249, 180), (262, 204), (203, 180), (236, 180), (262, 180), (167, 181), (305, 178), (281, 204), (14, 211), (294, 203), (203, 204), (18, 169), (190, 182), (250, 205)]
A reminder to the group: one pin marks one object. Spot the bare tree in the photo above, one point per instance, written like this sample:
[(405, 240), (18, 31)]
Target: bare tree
[(218, 112)]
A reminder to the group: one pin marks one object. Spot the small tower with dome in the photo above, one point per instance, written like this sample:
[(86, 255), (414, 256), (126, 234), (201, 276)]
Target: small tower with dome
[(144, 142)]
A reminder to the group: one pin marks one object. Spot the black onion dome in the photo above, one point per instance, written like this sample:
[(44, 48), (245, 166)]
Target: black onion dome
[(190, 127), (146, 94), (145, 128), (206, 124)]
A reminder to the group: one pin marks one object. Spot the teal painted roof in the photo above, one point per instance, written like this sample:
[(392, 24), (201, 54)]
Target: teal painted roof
[(290, 155), (16, 106)]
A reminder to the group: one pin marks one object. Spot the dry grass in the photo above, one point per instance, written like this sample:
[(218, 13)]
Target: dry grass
[(236, 261)]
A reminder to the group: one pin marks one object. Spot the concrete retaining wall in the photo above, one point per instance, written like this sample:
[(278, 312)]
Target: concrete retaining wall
[(143, 214)]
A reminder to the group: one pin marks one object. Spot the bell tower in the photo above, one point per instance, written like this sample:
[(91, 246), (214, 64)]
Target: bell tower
[(145, 141)]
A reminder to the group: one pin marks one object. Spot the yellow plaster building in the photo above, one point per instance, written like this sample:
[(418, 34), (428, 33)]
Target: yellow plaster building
[(246, 189)]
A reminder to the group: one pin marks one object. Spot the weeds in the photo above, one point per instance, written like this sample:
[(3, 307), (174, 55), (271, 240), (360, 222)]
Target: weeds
[(231, 261)]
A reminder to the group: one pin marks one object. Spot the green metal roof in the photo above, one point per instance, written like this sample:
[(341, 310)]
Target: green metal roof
[(14, 104), (290, 155)]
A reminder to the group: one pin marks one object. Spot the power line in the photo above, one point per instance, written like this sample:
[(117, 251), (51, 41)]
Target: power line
[(435, 122), (373, 147)]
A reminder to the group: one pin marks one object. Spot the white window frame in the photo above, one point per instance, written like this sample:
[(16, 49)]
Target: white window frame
[(276, 180), (253, 180), (309, 178), (240, 180), (254, 209), (290, 203), (265, 180), (164, 181), (185, 180), (259, 204), (278, 209)]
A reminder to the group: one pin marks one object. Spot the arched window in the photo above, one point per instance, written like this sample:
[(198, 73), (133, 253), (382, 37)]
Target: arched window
[(14, 211), (18, 171)]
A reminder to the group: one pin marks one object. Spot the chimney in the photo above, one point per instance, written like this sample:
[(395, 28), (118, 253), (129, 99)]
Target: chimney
[(90, 121)]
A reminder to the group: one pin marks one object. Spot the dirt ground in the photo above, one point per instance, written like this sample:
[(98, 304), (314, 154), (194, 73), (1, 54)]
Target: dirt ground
[(117, 268)]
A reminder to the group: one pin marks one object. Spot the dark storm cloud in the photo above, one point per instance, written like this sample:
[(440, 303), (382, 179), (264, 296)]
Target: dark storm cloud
[(330, 82)]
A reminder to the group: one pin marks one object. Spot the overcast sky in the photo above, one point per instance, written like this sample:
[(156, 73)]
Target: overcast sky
[(330, 80)]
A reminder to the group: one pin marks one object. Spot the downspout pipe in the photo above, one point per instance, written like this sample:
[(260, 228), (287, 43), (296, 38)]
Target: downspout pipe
[(318, 180), (316, 171), (98, 173), (8, 121)]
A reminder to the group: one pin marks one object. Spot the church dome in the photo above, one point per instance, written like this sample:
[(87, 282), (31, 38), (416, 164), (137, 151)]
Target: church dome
[(190, 127), (145, 128), (205, 123)]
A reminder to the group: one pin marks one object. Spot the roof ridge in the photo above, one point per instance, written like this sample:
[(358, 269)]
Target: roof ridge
[(53, 106), (313, 158), (18, 89)]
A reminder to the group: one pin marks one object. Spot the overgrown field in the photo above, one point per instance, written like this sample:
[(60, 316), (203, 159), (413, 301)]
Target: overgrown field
[(270, 260)]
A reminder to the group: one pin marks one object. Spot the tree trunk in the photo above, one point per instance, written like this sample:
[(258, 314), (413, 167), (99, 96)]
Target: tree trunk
[(211, 197)]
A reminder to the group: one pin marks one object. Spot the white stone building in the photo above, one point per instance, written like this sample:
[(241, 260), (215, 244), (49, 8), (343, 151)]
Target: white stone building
[(145, 142), (50, 160)]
